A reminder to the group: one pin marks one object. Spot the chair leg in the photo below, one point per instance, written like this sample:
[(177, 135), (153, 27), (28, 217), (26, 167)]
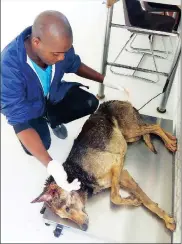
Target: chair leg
[(143, 55), (151, 38), (132, 37), (172, 48), (124, 47), (151, 48), (147, 51), (165, 48)]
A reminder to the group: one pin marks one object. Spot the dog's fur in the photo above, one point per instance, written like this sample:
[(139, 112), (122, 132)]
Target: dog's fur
[(97, 160)]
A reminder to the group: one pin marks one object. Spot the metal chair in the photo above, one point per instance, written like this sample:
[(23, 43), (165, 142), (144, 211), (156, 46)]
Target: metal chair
[(139, 21), (159, 8), (137, 17)]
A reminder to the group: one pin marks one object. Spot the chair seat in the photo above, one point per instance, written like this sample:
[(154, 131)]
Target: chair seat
[(157, 22), (159, 7), (135, 16)]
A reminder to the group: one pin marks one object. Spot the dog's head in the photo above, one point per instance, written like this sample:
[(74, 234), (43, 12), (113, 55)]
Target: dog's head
[(69, 205)]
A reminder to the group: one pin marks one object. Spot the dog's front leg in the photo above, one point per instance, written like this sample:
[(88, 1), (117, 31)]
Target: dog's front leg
[(115, 187)]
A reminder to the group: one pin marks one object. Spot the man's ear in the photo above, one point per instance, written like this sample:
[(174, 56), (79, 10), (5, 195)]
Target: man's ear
[(36, 41)]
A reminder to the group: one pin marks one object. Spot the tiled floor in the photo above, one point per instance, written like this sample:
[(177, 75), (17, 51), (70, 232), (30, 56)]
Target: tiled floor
[(22, 176)]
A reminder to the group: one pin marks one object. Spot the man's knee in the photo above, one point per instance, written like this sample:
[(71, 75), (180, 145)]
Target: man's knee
[(93, 103)]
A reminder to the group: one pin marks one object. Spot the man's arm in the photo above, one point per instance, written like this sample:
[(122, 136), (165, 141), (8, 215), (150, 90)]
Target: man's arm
[(73, 64), (31, 140), (88, 73), (15, 107)]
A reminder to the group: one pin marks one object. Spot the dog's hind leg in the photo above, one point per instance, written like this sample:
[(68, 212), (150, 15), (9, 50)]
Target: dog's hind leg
[(128, 183), (115, 187), (170, 143), (149, 143)]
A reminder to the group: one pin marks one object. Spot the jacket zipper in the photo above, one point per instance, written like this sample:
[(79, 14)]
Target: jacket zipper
[(40, 84), (52, 77)]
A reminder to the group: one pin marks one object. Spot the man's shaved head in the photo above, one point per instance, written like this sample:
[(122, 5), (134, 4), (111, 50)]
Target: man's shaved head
[(51, 24), (51, 37)]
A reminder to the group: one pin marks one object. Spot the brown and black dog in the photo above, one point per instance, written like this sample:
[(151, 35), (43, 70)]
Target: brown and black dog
[(97, 160)]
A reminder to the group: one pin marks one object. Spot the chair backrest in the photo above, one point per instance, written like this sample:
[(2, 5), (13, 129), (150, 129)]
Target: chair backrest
[(143, 5), (146, 6), (133, 12), (125, 10)]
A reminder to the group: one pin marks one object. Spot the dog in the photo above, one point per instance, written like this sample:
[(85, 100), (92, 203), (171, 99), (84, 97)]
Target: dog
[(97, 160)]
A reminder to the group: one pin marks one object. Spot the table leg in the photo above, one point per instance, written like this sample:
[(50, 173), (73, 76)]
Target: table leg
[(100, 94), (170, 79)]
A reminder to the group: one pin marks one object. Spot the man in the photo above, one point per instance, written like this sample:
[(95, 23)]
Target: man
[(33, 94)]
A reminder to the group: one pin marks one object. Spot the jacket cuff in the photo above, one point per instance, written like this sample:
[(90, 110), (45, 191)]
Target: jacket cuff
[(20, 127)]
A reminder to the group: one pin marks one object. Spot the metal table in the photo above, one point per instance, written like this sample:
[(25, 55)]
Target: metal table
[(154, 173), (105, 63)]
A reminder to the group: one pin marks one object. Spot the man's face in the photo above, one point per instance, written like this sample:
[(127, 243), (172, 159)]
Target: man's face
[(52, 51)]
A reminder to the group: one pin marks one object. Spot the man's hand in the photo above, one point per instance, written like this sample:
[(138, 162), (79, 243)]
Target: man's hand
[(56, 169), (88, 73)]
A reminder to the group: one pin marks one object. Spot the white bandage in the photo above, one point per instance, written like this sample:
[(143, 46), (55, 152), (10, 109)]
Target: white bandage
[(116, 85)]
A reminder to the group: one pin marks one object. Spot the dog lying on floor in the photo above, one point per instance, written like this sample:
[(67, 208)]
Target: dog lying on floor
[(97, 160)]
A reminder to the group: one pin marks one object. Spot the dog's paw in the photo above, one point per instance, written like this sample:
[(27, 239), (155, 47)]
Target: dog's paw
[(137, 202), (170, 223), (171, 145)]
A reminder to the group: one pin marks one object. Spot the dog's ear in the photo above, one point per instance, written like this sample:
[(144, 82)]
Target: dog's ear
[(46, 196)]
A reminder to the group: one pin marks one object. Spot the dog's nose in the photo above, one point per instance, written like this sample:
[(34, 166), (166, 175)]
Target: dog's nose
[(84, 227)]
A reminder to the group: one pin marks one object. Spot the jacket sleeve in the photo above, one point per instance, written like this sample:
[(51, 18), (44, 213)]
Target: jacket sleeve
[(13, 98), (73, 61)]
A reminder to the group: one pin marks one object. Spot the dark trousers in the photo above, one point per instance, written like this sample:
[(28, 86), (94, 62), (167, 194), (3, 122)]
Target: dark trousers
[(76, 104)]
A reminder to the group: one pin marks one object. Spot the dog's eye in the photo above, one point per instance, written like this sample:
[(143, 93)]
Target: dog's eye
[(67, 209)]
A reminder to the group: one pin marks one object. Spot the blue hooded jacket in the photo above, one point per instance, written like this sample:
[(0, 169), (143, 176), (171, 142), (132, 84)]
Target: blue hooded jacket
[(22, 97)]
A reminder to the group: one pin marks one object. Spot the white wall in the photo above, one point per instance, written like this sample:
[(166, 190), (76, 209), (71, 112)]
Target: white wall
[(18, 14)]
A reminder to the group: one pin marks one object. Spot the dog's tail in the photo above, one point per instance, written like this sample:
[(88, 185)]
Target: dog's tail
[(149, 143)]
